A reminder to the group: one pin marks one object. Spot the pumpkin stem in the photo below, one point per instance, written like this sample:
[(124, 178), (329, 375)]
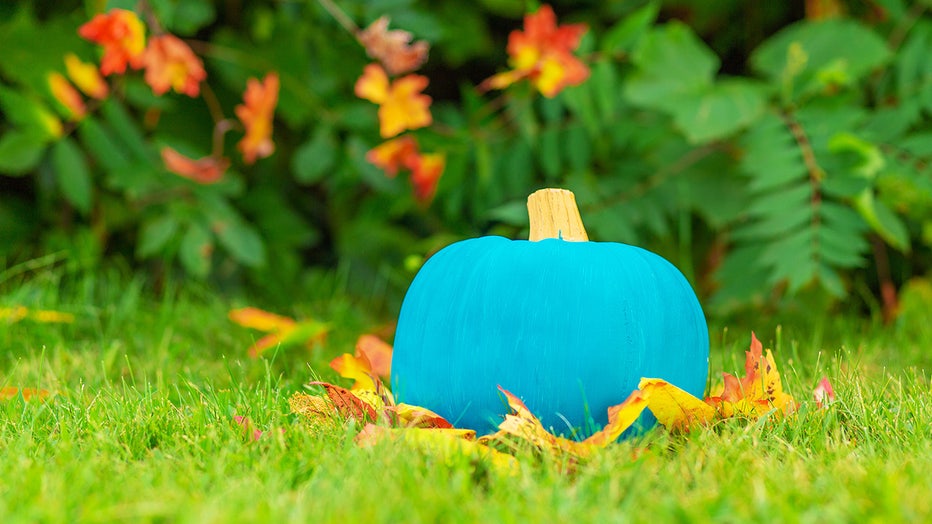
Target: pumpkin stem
[(553, 214)]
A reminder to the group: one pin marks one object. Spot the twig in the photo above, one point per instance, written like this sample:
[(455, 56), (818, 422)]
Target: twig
[(340, 16)]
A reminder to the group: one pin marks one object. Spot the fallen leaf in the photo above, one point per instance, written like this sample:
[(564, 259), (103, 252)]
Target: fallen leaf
[(8, 392), (823, 394), (674, 408), (449, 444), (758, 393), (416, 416), (346, 403), (523, 425), (377, 352)]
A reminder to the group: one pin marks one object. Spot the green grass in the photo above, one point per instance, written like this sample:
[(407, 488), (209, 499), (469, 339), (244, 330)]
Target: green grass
[(141, 429)]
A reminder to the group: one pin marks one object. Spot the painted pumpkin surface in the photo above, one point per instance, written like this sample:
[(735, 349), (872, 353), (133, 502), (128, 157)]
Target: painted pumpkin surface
[(568, 326)]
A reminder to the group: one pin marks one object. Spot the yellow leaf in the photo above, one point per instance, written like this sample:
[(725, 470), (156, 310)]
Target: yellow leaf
[(448, 444), (674, 408), (620, 418), (256, 318), (356, 368)]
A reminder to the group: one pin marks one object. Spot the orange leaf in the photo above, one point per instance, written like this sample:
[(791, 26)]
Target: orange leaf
[(392, 48), (256, 113), (416, 416), (824, 394), (356, 368), (620, 418), (377, 352), (758, 393), (674, 408), (256, 318), (525, 426), (346, 403), (205, 170), (171, 64), (122, 35), (8, 392)]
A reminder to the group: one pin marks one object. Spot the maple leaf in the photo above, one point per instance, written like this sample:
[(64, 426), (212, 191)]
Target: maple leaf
[(205, 170), (823, 394), (28, 394), (122, 35), (543, 54), (347, 404), (372, 362), (86, 77), (171, 64), (256, 113), (282, 330), (674, 408), (401, 104), (758, 393), (449, 444), (66, 95), (525, 426), (392, 48)]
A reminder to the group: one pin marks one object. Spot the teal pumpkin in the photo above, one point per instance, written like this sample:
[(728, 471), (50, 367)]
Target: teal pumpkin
[(570, 327)]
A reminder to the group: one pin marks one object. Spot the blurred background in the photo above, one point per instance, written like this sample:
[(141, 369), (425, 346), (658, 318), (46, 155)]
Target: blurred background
[(776, 152)]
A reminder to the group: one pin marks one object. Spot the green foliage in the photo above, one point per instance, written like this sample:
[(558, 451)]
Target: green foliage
[(766, 159)]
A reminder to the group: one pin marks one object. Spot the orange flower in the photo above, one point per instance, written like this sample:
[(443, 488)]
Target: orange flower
[(256, 115), (170, 64), (393, 155), (123, 36), (542, 53), (206, 170), (86, 77), (401, 104), (404, 153), (393, 48), (67, 95), (425, 173)]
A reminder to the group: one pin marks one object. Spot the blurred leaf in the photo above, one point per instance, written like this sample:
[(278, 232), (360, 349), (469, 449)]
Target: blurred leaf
[(101, 145), (671, 61), (196, 250), (242, 241), (316, 157), (20, 152), (883, 220), (29, 114), (624, 36), (155, 234), (548, 152), (126, 130), (813, 55), (72, 174)]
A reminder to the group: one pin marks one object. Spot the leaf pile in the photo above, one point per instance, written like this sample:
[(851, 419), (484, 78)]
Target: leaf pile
[(759, 392)]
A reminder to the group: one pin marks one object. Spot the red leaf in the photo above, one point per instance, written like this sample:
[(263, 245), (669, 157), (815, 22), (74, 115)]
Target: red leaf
[(346, 403)]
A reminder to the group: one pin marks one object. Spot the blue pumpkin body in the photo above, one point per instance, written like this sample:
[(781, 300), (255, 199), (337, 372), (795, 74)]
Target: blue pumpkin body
[(569, 327)]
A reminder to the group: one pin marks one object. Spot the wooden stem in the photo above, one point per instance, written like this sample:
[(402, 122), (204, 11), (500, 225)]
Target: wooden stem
[(554, 214)]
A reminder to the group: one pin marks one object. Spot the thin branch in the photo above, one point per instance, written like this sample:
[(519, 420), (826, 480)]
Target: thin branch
[(340, 16)]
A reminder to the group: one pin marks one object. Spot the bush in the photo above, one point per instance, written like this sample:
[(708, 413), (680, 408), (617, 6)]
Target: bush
[(802, 165)]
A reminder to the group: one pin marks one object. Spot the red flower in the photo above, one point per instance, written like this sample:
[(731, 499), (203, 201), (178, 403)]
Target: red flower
[(425, 173), (393, 155), (170, 64), (122, 34), (206, 170), (542, 53), (256, 114)]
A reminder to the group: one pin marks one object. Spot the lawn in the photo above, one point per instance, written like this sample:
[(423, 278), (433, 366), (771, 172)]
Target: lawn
[(146, 387)]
